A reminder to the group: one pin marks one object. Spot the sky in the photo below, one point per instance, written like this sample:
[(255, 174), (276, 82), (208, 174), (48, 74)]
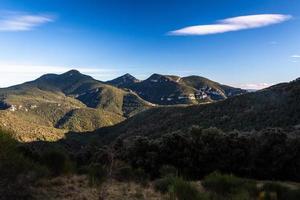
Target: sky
[(244, 43)]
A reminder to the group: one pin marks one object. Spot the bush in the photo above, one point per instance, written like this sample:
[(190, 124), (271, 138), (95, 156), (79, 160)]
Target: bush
[(225, 185), (97, 174), (83, 170), (141, 177), (184, 190), (57, 162), (293, 195), (162, 185), (281, 192), (124, 173), (17, 171), (167, 170)]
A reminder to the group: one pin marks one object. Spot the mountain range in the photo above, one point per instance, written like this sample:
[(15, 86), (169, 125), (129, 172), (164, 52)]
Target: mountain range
[(171, 90), (276, 106), (52, 105), (129, 130)]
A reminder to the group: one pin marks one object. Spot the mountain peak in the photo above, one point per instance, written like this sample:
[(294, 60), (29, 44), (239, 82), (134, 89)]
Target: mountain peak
[(128, 76), (66, 82), (160, 77), (67, 76), (157, 76), (72, 72), (124, 80)]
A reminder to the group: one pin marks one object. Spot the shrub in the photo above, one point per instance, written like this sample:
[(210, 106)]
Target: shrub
[(83, 170), (162, 185), (282, 192), (124, 173), (293, 195), (17, 171), (13, 162), (226, 185), (140, 176), (97, 174), (167, 170), (57, 162), (184, 190)]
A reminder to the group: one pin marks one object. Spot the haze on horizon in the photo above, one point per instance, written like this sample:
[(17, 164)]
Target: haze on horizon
[(250, 44)]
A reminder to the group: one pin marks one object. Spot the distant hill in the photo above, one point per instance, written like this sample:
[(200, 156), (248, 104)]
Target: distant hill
[(92, 93), (50, 106), (276, 106), (67, 102), (171, 90), (124, 81)]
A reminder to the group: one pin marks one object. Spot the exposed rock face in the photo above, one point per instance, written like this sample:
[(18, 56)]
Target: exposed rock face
[(170, 90)]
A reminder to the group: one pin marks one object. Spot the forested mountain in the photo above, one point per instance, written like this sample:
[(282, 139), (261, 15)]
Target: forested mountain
[(170, 90), (53, 104), (277, 106)]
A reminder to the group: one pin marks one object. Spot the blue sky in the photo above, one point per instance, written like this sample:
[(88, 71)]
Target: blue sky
[(245, 43)]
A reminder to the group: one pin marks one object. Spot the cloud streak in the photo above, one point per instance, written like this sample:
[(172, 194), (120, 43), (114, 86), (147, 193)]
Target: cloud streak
[(232, 24), (19, 21), (295, 56), (254, 86)]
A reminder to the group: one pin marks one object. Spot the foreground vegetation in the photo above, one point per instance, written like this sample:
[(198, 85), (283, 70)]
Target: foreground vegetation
[(266, 154), (129, 169)]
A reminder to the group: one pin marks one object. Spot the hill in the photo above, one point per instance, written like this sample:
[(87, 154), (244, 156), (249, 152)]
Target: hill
[(67, 102), (171, 90), (124, 81), (277, 106)]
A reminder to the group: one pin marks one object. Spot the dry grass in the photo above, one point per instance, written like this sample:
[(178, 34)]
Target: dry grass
[(78, 188), (64, 188), (132, 191)]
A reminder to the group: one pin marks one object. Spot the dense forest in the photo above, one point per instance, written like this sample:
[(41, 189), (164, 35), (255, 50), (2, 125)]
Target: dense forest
[(269, 154)]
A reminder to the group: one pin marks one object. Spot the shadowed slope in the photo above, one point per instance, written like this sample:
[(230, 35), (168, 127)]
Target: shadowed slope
[(277, 106)]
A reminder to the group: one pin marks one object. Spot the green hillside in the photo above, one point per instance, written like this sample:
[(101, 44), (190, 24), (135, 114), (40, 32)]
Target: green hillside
[(67, 102), (87, 119), (277, 106)]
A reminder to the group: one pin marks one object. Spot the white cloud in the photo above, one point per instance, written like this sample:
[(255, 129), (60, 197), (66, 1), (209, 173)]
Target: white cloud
[(254, 86), (12, 74), (233, 24), (295, 56), (19, 21)]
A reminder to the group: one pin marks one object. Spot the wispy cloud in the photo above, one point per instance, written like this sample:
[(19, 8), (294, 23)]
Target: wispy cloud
[(20, 21), (254, 86), (295, 56), (233, 24)]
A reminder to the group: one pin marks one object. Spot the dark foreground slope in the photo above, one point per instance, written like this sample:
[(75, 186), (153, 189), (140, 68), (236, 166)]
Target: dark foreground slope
[(256, 136), (277, 106)]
